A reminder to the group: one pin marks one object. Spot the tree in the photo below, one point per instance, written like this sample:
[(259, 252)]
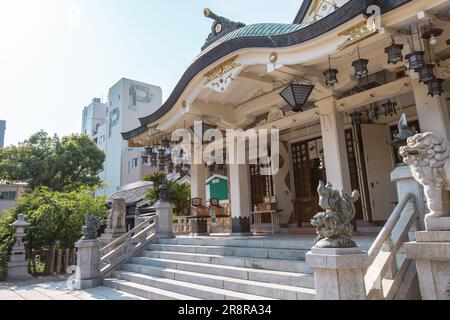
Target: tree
[(56, 218), (64, 164), (180, 194), (6, 241)]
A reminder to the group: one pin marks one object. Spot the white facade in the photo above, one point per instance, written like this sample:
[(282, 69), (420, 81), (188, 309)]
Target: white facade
[(2, 133), (128, 101)]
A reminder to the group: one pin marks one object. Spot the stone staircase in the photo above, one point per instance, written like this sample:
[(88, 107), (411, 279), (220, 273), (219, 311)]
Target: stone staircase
[(217, 269)]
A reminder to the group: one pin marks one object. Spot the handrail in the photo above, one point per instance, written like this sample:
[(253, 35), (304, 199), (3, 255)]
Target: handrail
[(127, 246), (124, 237), (387, 266), (389, 226)]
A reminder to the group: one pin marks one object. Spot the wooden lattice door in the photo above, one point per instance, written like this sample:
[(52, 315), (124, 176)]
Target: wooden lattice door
[(307, 160)]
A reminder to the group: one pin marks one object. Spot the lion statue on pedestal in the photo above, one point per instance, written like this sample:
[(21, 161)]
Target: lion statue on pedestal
[(334, 227), (427, 155)]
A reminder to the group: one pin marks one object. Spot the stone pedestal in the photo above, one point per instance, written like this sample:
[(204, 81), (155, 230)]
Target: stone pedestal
[(18, 268), (431, 251), (17, 262), (164, 212), (437, 224), (87, 274), (339, 273), (405, 183)]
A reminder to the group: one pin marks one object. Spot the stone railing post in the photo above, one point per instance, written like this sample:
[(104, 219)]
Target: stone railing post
[(87, 274), (17, 262), (405, 183), (164, 213), (339, 273)]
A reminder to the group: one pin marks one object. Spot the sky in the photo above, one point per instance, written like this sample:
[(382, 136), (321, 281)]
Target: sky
[(56, 55)]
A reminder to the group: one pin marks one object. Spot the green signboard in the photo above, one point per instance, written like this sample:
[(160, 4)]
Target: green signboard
[(217, 187)]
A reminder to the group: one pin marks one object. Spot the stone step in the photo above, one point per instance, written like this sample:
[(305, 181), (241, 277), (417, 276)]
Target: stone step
[(269, 290), (265, 253), (299, 243), (244, 262), (185, 288), (267, 276), (144, 291)]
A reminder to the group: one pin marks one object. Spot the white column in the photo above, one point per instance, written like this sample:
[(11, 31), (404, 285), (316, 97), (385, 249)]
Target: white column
[(240, 198), (198, 178), (334, 144), (432, 111)]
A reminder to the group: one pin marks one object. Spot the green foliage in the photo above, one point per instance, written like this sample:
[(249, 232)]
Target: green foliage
[(64, 164), (57, 217), (6, 241), (180, 194), (157, 178)]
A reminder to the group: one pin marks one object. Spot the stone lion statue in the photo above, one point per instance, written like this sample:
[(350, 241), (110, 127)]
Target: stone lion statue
[(334, 227), (90, 228), (116, 216), (427, 155)]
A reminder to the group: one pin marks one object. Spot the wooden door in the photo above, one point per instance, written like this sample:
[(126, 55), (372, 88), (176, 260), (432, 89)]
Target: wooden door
[(354, 172), (307, 161), (379, 167)]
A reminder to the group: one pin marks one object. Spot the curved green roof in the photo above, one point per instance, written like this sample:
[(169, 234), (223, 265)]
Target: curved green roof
[(259, 30)]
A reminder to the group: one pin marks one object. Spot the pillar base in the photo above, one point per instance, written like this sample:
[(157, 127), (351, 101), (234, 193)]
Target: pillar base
[(199, 227), (339, 273), (164, 212), (87, 274), (432, 254), (241, 225), (18, 268), (87, 284)]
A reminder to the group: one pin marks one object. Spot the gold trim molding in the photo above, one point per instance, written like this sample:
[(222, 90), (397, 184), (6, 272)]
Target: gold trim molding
[(222, 68), (357, 33)]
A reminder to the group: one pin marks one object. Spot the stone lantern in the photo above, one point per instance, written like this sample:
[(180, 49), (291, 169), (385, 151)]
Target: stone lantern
[(17, 262), (164, 195)]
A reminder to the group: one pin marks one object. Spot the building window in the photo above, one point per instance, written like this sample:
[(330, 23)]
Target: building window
[(8, 195), (102, 138), (134, 163)]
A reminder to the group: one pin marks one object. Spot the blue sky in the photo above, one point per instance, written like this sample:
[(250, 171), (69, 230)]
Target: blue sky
[(56, 55)]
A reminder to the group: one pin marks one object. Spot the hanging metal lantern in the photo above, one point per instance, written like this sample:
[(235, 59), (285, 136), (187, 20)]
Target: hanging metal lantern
[(435, 87), (372, 114), (357, 118), (426, 73), (360, 65), (416, 60), (145, 157), (330, 75), (390, 108), (432, 34), (361, 69), (296, 95), (394, 53)]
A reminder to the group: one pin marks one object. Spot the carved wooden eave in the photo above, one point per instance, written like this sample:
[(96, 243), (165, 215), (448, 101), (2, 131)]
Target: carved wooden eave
[(222, 69), (357, 33), (220, 78)]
